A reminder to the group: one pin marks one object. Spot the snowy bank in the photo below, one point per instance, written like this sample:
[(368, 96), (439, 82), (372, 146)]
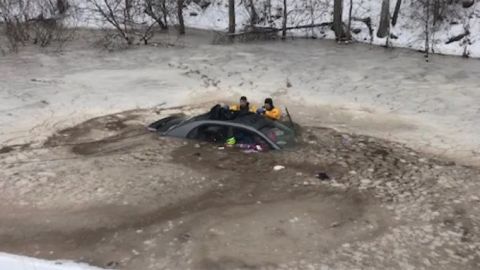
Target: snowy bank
[(457, 33), (446, 27), (15, 262)]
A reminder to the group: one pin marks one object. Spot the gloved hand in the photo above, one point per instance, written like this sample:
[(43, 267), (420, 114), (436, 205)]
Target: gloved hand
[(231, 141), (261, 111)]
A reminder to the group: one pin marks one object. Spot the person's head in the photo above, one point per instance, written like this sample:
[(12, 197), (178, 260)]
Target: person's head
[(243, 101), (268, 104)]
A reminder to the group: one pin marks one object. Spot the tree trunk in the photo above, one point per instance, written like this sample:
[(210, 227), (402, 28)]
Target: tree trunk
[(436, 12), (284, 32), (396, 12), (384, 26), (62, 6), (312, 17), (127, 21), (349, 27), (22, 10), (165, 14), (253, 14), (268, 11), (181, 24), (467, 40), (231, 16), (152, 12), (337, 19), (427, 30)]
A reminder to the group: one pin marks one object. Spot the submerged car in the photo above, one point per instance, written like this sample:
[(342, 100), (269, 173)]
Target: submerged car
[(246, 130)]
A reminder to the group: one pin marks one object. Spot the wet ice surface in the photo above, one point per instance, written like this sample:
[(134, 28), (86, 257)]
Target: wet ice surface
[(391, 94), (108, 193)]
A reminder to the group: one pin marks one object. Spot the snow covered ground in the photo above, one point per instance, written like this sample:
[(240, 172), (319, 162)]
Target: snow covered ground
[(409, 32), (14, 262), (456, 32)]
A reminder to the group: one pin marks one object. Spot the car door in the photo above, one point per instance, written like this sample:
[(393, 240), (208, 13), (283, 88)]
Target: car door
[(249, 139), (219, 133), (212, 133)]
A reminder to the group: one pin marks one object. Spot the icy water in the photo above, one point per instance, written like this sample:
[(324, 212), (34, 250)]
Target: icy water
[(109, 193), (389, 93), (82, 184)]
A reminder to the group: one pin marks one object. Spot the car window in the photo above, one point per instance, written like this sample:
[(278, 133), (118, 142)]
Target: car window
[(209, 133), (219, 134), (279, 134), (248, 140)]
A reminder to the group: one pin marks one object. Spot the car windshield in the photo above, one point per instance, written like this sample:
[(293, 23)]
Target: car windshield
[(279, 134)]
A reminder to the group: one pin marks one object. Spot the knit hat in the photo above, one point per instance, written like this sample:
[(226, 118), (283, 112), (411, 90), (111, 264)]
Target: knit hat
[(269, 101)]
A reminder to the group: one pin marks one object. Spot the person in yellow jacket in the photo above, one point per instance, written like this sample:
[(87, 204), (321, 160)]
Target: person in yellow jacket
[(243, 106), (270, 111)]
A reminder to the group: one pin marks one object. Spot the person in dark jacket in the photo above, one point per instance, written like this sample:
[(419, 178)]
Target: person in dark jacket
[(243, 106)]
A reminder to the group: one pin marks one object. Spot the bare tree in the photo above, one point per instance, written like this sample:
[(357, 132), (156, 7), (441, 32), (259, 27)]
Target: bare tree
[(253, 13), (231, 16), (384, 25), (429, 15), (181, 24), (267, 10), (115, 13), (349, 26), (14, 22), (285, 17), (337, 19), (436, 11), (157, 10), (466, 41), (396, 12), (127, 17), (427, 29), (62, 6), (421, 17), (310, 6), (40, 21)]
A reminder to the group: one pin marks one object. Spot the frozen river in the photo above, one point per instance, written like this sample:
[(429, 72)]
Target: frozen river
[(146, 202), (389, 93)]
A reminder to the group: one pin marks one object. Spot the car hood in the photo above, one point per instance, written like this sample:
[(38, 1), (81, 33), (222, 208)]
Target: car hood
[(165, 124)]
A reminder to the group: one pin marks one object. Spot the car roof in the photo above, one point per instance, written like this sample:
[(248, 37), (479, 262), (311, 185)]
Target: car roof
[(253, 120), (250, 119)]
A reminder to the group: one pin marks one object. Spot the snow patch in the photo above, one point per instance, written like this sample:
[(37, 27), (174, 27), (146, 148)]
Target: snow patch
[(15, 262)]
